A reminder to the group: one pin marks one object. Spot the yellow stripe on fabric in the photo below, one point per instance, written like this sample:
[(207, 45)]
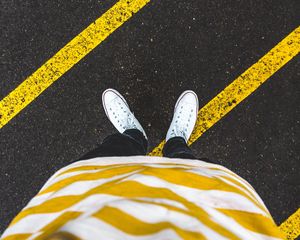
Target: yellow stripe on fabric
[(102, 174), (134, 226), (67, 57), (234, 178), (116, 188), (96, 167), (246, 186), (57, 223), (17, 236), (254, 222), (122, 189), (83, 168), (172, 175), (205, 220), (60, 203), (233, 181), (189, 179), (195, 181), (50, 206), (62, 235), (291, 226), (243, 86)]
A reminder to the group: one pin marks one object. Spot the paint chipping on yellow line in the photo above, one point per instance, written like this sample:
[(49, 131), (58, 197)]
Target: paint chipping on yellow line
[(291, 226), (67, 57), (243, 86)]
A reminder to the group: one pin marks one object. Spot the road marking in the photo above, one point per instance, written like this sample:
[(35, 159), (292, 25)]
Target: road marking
[(210, 114), (67, 57), (243, 86), (240, 89), (291, 226)]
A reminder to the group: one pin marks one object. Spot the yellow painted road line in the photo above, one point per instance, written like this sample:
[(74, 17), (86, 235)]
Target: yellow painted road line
[(243, 86), (211, 113), (67, 57), (291, 226), (240, 89)]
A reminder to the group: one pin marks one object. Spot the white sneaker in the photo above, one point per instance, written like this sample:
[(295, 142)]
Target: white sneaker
[(118, 112), (185, 116)]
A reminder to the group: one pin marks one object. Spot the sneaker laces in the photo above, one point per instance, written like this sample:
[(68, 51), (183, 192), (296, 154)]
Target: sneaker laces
[(130, 122), (127, 120), (178, 131), (181, 129)]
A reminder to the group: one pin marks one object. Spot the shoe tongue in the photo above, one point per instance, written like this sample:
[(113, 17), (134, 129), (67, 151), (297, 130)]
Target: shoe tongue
[(130, 123), (179, 131)]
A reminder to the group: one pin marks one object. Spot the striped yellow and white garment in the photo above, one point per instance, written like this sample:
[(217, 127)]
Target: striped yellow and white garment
[(144, 197)]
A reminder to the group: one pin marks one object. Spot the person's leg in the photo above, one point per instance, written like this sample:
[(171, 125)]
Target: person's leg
[(176, 147), (181, 127), (131, 139), (129, 143)]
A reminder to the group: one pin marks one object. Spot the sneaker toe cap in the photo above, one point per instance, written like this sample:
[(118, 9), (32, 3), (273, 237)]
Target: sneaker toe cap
[(109, 96), (190, 98)]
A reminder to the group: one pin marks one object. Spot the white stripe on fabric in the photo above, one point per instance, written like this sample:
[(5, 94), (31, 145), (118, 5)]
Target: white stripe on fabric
[(34, 236), (32, 224), (29, 222), (94, 228), (96, 200), (208, 172), (37, 200), (216, 173), (70, 174), (211, 198), (151, 213), (247, 193), (212, 173), (233, 175), (166, 166), (53, 180), (250, 189), (263, 236), (196, 165), (67, 175), (205, 172), (77, 188), (162, 201), (102, 161), (232, 225)]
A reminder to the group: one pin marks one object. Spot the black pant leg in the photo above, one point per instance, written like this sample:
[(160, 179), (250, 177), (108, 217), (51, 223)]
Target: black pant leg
[(176, 147), (130, 143)]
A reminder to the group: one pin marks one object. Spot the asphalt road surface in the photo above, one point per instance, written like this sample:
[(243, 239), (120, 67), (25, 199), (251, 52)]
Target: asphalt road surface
[(166, 48)]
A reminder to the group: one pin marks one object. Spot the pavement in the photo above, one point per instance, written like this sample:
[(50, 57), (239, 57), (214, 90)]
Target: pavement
[(164, 49)]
